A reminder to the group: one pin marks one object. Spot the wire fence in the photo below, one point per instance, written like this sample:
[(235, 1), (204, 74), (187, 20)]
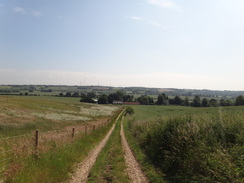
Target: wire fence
[(15, 149), (5, 138)]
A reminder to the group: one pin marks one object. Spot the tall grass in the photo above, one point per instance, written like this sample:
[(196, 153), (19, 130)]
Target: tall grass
[(153, 173), (205, 147)]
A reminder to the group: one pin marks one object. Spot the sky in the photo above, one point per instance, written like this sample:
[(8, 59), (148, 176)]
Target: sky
[(191, 44)]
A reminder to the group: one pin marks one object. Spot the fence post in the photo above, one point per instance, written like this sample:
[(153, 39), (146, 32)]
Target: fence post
[(73, 133), (94, 128), (85, 130), (36, 142)]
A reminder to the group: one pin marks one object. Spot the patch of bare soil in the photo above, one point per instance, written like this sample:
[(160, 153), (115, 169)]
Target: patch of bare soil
[(133, 167)]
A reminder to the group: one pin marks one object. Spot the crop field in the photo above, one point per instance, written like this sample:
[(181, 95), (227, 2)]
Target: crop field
[(186, 144)]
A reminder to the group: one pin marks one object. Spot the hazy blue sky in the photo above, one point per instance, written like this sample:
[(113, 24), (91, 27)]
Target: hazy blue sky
[(153, 43)]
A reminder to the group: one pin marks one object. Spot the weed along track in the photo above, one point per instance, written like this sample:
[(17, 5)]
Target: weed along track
[(133, 168), (84, 167)]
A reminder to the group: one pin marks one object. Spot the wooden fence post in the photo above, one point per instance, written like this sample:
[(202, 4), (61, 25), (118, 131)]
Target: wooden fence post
[(85, 130), (36, 142), (94, 128), (73, 133)]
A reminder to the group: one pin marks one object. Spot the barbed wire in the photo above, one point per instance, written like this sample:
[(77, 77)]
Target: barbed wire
[(5, 138), (55, 131)]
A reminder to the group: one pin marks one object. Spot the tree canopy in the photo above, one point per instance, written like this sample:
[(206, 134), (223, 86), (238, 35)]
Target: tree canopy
[(103, 99), (196, 102)]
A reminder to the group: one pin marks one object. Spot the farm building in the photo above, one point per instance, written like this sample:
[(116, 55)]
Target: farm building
[(117, 102)]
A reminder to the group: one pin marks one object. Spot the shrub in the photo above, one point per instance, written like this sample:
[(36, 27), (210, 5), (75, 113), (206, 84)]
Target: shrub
[(129, 110)]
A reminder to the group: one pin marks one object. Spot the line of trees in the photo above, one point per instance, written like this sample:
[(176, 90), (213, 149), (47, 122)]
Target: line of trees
[(162, 99), (197, 102), (106, 99), (239, 100)]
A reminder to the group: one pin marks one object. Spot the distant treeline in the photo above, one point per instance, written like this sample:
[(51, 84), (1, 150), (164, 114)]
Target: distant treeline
[(99, 90), (8, 91), (162, 99)]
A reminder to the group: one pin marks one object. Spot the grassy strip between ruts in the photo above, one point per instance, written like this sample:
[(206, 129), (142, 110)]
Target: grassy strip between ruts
[(150, 171), (110, 165), (58, 163)]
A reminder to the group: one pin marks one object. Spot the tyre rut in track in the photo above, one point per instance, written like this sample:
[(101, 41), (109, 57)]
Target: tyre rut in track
[(133, 167)]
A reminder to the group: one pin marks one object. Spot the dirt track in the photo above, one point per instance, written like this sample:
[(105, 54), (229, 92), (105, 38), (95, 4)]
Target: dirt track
[(84, 168), (133, 168)]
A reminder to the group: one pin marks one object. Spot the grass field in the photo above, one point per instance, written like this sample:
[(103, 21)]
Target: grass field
[(57, 150), (143, 112), (191, 144), (23, 114)]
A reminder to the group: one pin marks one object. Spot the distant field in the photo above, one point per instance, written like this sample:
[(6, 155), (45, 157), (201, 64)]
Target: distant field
[(143, 112), (21, 114)]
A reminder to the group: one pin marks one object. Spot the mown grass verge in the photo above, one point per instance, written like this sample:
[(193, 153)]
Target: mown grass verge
[(153, 174), (110, 165), (58, 164)]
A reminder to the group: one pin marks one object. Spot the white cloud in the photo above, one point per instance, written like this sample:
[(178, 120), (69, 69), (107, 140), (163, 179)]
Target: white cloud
[(19, 10), (156, 24), (25, 12), (165, 4), (36, 13), (136, 18), (150, 22)]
